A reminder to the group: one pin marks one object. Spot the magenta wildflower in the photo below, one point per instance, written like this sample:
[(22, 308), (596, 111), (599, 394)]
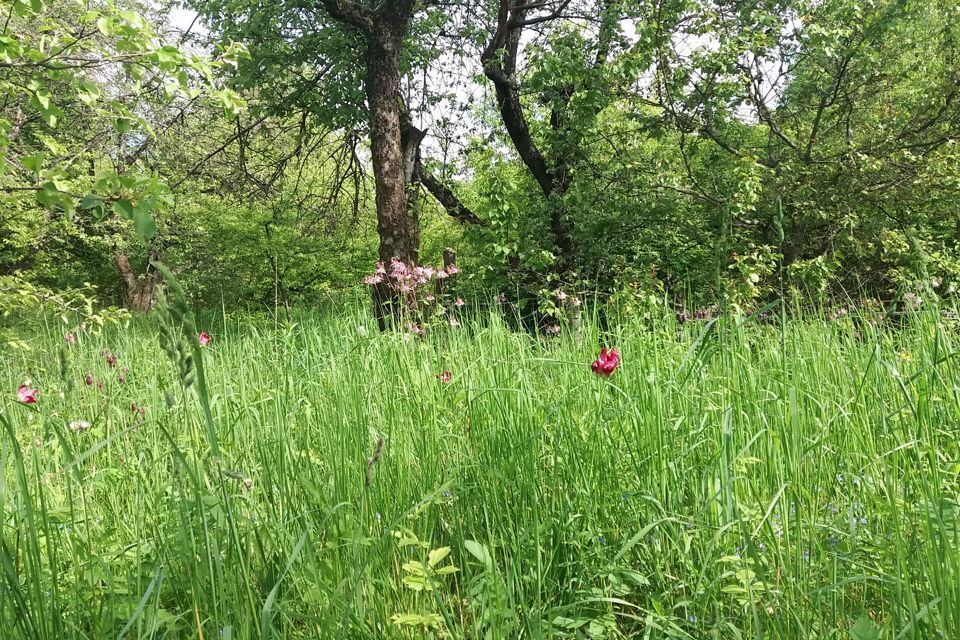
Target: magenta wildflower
[(607, 363), (27, 394)]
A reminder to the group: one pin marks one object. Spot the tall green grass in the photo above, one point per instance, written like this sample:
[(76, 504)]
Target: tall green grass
[(731, 480)]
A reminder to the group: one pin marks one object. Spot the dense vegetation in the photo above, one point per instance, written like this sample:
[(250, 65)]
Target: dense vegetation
[(725, 153), (381, 243), (727, 481)]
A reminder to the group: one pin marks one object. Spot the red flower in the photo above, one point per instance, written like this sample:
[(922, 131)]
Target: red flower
[(110, 358), (204, 339), (444, 377), (27, 395), (607, 363), (89, 379)]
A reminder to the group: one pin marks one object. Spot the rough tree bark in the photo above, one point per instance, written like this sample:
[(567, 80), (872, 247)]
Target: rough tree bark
[(140, 289), (382, 31)]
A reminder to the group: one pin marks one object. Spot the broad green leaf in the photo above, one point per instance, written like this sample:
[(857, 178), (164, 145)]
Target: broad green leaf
[(864, 629), (124, 209), (446, 570), (48, 196), (143, 222), (90, 201), (437, 555), (33, 163), (479, 552)]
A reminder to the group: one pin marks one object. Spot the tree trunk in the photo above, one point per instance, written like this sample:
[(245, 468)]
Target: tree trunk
[(140, 289), (383, 93), (382, 31), (499, 60), (410, 139), (386, 151)]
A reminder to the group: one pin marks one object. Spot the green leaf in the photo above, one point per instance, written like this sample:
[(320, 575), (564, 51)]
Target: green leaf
[(143, 222), (124, 209), (90, 201), (105, 25), (68, 204), (479, 552), (33, 163), (88, 92), (41, 98), (52, 116), (447, 570), (48, 196), (864, 629), (437, 555)]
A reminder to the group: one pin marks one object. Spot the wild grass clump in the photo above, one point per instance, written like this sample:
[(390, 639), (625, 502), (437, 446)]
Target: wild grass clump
[(730, 479)]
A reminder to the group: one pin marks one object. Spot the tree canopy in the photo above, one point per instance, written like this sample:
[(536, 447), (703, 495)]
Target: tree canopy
[(703, 152)]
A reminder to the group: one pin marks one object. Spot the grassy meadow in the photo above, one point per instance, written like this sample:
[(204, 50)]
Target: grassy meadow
[(732, 479)]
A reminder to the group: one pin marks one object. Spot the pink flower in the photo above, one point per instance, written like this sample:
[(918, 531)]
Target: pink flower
[(553, 329), (137, 410), (88, 379), (441, 274), (374, 279), (398, 269), (70, 338), (204, 339), (607, 363), (27, 395), (459, 302), (561, 294), (444, 377), (452, 269), (454, 322), (424, 274), (429, 298)]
